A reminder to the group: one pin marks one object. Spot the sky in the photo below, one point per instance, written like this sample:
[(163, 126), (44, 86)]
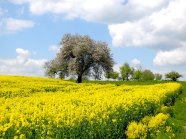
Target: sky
[(144, 33)]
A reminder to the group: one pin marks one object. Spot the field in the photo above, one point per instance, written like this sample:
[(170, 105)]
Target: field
[(32, 107)]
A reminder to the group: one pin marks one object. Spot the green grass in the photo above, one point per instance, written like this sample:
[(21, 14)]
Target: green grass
[(179, 110), (127, 82)]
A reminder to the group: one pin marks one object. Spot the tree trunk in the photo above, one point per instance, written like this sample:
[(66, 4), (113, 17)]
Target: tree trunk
[(127, 78), (79, 79)]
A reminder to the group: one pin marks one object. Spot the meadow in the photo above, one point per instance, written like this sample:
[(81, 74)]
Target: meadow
[(32, 107)]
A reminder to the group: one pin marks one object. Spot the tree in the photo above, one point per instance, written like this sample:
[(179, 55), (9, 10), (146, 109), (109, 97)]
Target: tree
[(125, 71), (158, 76), (50, 69), (114, 75), (80, 55), (97, 72), (173, 75), (147, 75), (108, 75), (137, 75)]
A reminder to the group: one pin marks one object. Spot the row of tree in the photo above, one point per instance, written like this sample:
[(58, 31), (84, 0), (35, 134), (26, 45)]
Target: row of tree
[(80, 56), (129, 73)]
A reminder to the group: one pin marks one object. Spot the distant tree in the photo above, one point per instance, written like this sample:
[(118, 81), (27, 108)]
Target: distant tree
[(80, 55), (125, 71), (108, 75), (119, 78), (61, 75), (137, 75), (114, 75), (132, 71), (147, 75), (50, 69), (158, 76), (173, 75)]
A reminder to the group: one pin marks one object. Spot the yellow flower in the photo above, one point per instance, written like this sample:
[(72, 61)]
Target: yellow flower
[(49, 106)]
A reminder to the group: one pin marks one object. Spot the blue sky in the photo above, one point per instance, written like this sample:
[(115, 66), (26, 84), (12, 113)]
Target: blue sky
[(150, 34)]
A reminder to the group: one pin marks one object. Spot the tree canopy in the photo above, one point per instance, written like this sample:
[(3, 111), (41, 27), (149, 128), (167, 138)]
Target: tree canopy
[(137, 75), (81, 55), (147, 75), (158, 76), (173, 75), (125, 71)]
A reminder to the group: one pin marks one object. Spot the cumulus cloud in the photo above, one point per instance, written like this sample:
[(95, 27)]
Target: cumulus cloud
[(136, 62), (106, 11), (11, 25), (155, 24), (22, 64), (117, 67), (54, 48), (172, 57), (164, 28)]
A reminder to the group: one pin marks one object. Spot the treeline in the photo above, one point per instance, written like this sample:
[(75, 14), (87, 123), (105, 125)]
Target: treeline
[(82, 57), (127, 73)]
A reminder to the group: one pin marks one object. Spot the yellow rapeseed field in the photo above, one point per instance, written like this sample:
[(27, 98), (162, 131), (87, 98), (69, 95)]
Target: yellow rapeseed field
[(32, 107)]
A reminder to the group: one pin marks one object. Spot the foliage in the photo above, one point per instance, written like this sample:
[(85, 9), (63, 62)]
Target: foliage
[(46, 108), (137, 75), (81, 55), (179, 117), (173, 75), (125, 71), (158, 76), (50, 69), (108, 75), (114, 75), (147, 75)]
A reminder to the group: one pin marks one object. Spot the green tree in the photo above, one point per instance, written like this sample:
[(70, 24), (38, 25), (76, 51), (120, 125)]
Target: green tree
[(80, 55), (173, 75), (108, 75), (125, 71), (137, 75), (50, 68), (114, 75), (158, 76), (147, 75)]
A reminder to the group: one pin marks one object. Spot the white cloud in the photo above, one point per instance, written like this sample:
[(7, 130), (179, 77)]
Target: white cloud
[(106, 11), (129, 34), (164, 28), (12, 25), (117, 67), (136, 62), (22, 64), (157, 24), (54, 48), (172, 57)]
